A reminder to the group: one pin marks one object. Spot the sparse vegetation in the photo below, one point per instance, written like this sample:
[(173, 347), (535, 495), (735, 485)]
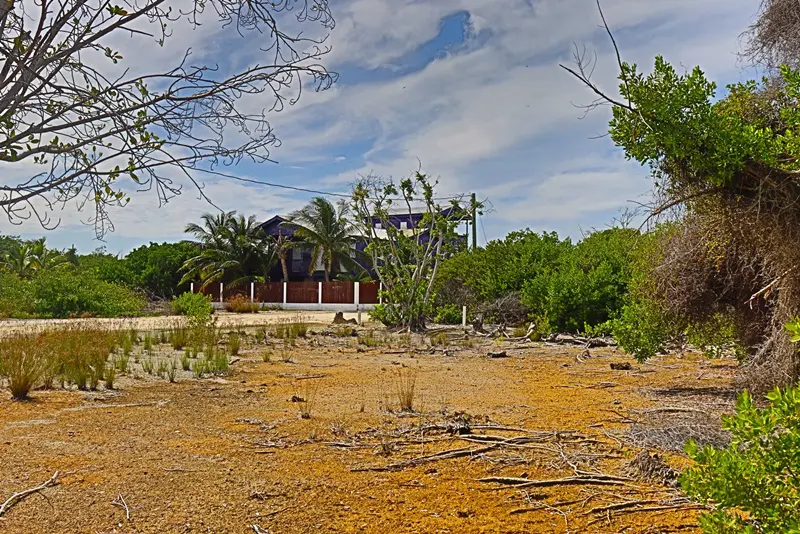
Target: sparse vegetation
[(234, 343), (240, 304), (405, 383)]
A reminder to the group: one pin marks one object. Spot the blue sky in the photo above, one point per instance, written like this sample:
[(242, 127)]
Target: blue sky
[(470, 88)]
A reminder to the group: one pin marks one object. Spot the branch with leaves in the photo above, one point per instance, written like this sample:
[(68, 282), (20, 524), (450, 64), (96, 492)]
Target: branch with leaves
[(93, 138)]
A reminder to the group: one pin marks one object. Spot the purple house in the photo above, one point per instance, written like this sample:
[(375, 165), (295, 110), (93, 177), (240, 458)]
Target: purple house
[(299, 257)]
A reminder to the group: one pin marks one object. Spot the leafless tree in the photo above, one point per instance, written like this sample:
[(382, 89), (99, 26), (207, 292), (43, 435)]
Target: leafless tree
[(774, 38), (78, 128)]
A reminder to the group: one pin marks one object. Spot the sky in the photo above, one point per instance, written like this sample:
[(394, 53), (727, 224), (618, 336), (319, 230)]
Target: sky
[(469, 89)]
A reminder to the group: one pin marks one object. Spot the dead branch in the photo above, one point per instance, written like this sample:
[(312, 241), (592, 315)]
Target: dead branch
[(576, 480), (17, 497), (120, 501)]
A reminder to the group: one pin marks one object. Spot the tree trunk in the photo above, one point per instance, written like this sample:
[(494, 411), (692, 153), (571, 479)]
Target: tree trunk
[(284, 267)]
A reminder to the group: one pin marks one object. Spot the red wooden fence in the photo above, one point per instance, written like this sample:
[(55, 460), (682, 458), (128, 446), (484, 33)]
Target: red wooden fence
[(368, 293), (298, 292), (271, 292), (338, 292), (302, 292)]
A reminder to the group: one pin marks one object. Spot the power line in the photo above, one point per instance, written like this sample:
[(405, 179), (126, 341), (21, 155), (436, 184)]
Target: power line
[(271, 184), (301, 189)]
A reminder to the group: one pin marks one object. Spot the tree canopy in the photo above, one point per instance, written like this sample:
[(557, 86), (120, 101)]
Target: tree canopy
[(78, 125)]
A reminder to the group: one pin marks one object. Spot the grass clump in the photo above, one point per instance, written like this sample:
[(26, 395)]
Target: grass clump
[(438, 339), (240, 304), (122, 363), (22, 363), (179, 337), (186, 362), (234, 343), (369, 339), (405, 382), (74, 355), (110, 376)]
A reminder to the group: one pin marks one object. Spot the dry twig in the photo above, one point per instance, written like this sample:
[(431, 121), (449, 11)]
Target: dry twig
[(17, 497)]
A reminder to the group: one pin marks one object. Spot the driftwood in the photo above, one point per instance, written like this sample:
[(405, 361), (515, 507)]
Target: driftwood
[(17, 497)]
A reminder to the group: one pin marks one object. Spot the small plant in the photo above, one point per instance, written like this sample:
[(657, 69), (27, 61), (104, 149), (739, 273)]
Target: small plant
[(148, 344), (221, 364), (21, 364), (133, 336), (234, 343), (163, 367), (163, 337), (192, 304), (753, 483), (405, 382), (438, 339), (199, 368), (110, 375), (179, 337), (148, 366), (266, 356), (448, 314), (240, 304), (286, 355), (127, 345), (305, 399), (368, 339), (186, 362), (122, 363), (172, 373)]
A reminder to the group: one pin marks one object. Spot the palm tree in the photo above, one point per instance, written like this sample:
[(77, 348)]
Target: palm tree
[(44, 258), (18, 260), (25, 259), (233, 250), (327, 231), (282, 247)]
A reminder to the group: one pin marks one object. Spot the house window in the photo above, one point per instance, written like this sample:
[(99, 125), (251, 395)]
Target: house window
[(404, 225), (378, 225), (297, 253)]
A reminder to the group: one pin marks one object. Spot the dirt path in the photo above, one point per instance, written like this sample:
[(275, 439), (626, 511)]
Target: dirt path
[(224, 319), (220, 455)]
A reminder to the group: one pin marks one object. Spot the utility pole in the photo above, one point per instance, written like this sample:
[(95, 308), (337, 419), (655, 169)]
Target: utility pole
[(474, 222)]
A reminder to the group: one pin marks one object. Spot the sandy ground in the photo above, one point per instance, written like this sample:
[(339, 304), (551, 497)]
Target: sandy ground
[(224, 319), (223, 454)]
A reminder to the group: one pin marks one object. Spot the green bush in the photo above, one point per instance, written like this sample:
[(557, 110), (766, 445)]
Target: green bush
[(448, 314), (192, 304), (16, 296), (641, 329), (156, 267), (70, 293), (754, 484)]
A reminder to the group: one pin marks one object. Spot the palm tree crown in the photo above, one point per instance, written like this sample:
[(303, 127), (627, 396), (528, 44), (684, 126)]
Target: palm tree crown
[(327, 231), (233, 249)]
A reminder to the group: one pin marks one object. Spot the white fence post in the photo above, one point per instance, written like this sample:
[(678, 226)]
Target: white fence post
[(357, 293), (284, 292), (464, 316), (252, 290), (220, 292), (191, 287), (319, 293), (380, 290)]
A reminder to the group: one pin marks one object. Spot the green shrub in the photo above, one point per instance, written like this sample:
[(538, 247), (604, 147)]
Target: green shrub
[(192, 305), (448, 314), (754, 484), (68, 293), (16, 296), (641, 329)]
